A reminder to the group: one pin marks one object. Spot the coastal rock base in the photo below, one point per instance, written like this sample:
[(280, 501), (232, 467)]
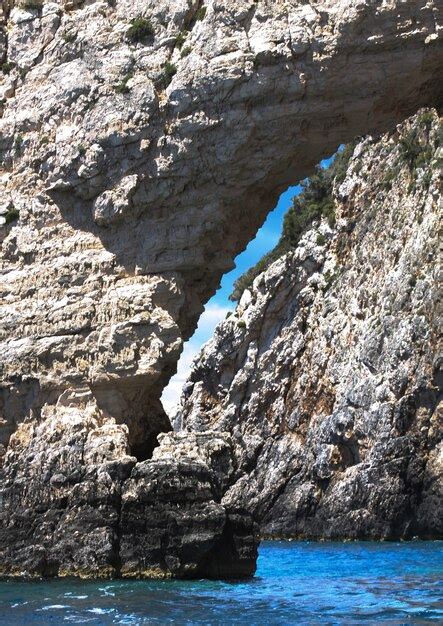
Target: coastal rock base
[(82, 506), (173, 520)]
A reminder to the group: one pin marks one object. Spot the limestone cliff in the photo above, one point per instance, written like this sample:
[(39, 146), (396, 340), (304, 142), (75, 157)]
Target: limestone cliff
[(328, 374), (142, 143)]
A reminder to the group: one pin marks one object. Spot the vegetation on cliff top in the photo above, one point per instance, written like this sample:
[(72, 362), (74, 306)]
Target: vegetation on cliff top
[(314, 202), (414, 149)]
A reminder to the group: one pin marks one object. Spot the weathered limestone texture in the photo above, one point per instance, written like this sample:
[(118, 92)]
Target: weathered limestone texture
[(174, 501), (137, 158), (328, 374), (75, 503)]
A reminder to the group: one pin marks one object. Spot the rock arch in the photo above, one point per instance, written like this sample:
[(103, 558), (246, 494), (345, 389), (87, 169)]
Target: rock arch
[(138, 169)]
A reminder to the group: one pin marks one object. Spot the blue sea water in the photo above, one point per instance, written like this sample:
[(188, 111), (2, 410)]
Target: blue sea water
[(296, 583)]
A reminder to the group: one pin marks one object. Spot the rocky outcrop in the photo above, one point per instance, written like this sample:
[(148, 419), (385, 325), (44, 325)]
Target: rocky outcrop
[(173, 517), (328, 374), (75, 503), (141, 145)]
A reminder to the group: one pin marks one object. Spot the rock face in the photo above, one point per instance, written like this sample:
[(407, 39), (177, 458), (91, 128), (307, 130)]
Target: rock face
[(328, 374), (75, 503), (173, 517), (141, 145)]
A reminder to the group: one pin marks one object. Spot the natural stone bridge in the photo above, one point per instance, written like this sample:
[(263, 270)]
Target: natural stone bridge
[(135, 165)]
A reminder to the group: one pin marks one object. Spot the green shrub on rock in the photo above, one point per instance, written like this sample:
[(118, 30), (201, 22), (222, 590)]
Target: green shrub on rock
[(122, 86), (12, 215), (32, 4), (7, 67), (18, 144), (314, 202), (180, 39), (200, 14), (169, 71), (140, 29), (410, 148)]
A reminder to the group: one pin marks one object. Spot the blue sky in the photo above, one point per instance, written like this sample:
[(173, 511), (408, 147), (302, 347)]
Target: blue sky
[(219, 304), (266, 238), (217, 307)]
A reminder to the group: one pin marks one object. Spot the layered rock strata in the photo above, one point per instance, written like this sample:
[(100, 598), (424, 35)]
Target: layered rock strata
[(328, 374), (141, 145), (136, 164), (80, 505)]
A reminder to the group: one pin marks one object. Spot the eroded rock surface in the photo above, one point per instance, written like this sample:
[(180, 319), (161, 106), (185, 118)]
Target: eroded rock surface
[(328, 374), (134, 166), (75, 503), (126, 198), (173, 517)]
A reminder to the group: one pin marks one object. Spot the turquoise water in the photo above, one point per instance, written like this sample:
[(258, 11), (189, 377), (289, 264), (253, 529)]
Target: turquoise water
[(296, 583)]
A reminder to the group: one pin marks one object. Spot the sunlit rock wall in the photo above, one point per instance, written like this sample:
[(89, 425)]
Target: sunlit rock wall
[(328, 374), (139, 169)]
